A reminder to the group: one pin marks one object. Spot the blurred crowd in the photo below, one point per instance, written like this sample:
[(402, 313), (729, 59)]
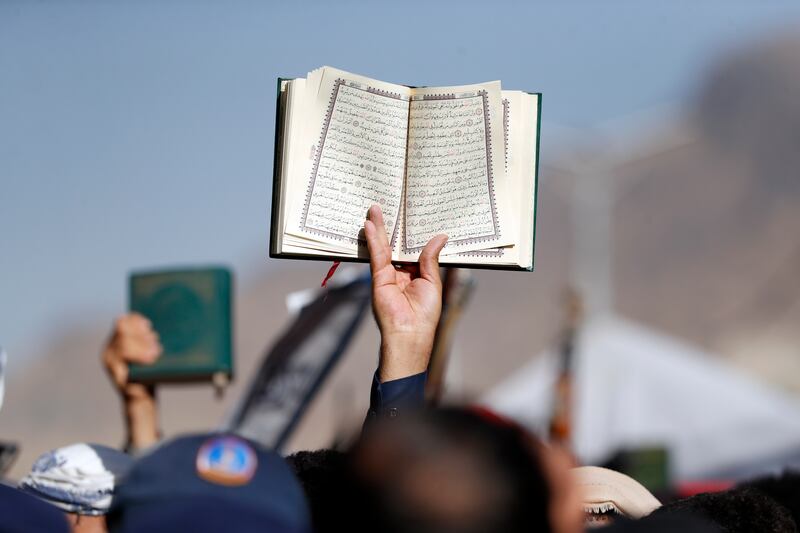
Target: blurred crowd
[(455, 469)]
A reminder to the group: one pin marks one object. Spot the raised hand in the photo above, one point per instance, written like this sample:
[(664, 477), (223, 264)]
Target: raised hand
[(407, 301), (133, 340)]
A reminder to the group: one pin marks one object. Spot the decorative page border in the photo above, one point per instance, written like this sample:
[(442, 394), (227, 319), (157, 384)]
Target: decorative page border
[(506, 114), (490, 176), (318, 155), (495, 252)]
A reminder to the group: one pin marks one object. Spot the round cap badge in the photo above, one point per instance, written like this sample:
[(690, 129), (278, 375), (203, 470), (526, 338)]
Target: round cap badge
[(226, 461)]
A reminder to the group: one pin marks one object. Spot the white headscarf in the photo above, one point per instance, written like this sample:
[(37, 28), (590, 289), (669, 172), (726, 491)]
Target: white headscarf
[(607, 490), (79, 478)]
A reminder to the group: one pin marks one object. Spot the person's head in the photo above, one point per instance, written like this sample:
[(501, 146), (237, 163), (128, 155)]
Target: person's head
[(209, 482), (80, 480), (458, 471), (784, 489), (739, 510), (320, 473)]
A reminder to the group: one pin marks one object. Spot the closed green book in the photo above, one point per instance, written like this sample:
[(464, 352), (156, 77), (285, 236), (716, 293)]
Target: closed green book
[(191, 312)]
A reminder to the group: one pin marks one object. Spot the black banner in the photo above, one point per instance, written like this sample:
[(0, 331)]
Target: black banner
[(299, 362)]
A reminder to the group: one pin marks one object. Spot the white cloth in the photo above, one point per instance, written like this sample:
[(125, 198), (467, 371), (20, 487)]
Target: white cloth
[(635, 387), (79, 478), (602, 487)]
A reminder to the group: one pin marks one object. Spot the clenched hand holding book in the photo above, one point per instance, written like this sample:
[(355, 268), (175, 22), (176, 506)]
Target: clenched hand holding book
[(456, 160)]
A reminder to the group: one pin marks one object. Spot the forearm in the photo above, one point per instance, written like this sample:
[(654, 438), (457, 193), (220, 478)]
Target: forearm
[(141, 422)]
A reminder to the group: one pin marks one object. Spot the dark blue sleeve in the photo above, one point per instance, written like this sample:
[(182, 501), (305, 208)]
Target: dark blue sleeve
[(390, 399)]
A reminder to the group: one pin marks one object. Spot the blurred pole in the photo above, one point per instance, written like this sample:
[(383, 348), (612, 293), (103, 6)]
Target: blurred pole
[(457, 287), (562, 416)]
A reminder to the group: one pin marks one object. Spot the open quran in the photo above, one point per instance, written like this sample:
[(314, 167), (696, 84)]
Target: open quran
[(456, 160)]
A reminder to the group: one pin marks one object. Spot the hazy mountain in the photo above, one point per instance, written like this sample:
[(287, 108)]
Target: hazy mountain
[(707, 235)]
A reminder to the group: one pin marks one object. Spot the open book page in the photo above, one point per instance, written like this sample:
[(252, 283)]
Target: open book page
[(292, 92), (357, 133), (520, 124), (455, 177), (298, 156), (512, 139)]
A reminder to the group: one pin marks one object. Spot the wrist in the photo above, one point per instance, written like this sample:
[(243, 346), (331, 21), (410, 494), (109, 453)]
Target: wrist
[(404, 355), (138, 403), (137, 393), (141, 413)]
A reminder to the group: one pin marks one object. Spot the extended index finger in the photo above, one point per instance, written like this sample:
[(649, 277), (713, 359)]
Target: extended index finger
[(380, 254)]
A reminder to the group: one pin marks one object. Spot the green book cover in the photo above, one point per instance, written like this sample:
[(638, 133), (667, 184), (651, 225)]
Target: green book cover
[(191, 311)]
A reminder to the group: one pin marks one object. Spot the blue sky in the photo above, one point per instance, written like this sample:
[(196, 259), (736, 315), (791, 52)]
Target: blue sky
[(140, 134)]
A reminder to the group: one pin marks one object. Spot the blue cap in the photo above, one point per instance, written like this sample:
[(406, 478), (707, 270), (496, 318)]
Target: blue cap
[(210, 482), (22, 513)]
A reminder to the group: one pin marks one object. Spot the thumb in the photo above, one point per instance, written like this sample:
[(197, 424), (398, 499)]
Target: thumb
[(429, 259), (117, 370)]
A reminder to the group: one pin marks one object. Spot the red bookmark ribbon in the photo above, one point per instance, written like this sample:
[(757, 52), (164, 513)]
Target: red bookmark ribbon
[(330, 273)]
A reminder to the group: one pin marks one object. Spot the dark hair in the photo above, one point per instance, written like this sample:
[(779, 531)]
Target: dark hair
[(448, 471), (321, 474), (784, 489), (664, 523), (739, 510)]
